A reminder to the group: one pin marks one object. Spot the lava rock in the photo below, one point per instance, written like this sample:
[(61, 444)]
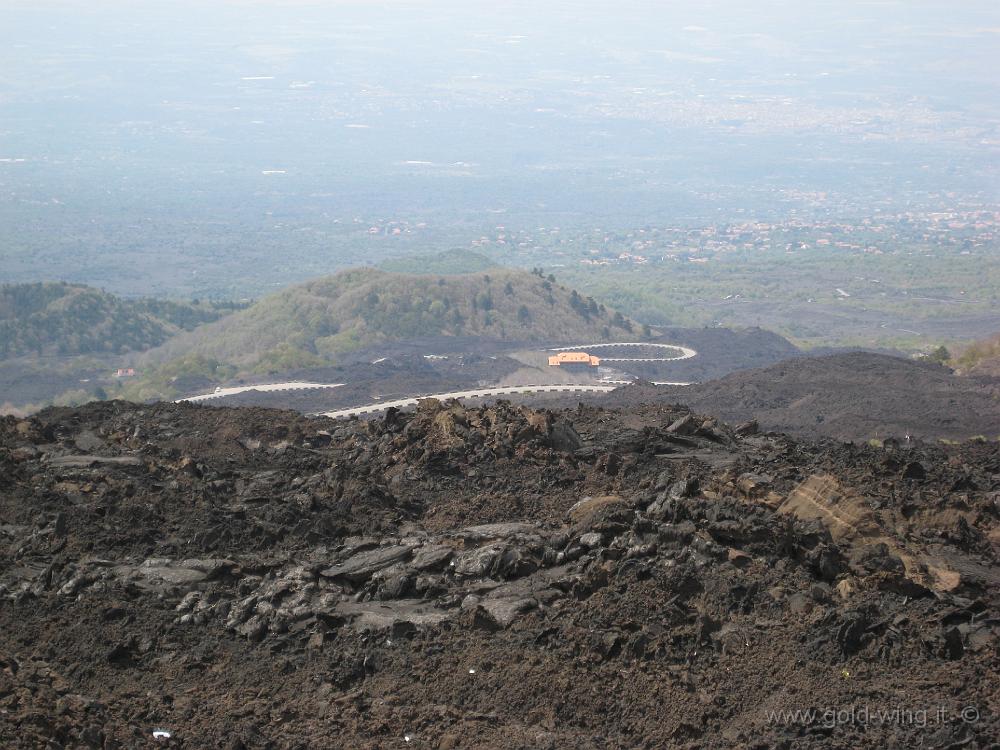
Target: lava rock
[(362, 566)]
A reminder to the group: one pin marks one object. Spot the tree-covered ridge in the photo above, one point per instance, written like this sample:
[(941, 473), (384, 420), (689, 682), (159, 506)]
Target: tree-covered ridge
[(311, 323), (979, 358), (60, 318)]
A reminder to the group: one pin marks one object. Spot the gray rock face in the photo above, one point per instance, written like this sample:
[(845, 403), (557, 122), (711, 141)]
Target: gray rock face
[(504, 611), (211, 567), (82, 461), (431, 557), (478, 563), (660, 508), (683, 426), (379, 615), (564, 437), (490, 531), (176, 576), (362, 566)]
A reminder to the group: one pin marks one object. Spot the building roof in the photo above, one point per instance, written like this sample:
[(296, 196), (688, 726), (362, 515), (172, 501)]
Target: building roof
[(574, 358)]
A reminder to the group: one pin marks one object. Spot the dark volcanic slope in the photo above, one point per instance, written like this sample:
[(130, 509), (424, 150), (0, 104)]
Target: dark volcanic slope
[(720, 352), (488, 578), (854, 396), (399, 369)]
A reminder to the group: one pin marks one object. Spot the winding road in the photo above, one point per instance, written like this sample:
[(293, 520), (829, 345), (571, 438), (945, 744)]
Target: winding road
[(266, 388), (373, 408), (685, 352)]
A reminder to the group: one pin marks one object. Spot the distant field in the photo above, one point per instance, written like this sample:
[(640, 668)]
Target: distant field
[(904, 299)]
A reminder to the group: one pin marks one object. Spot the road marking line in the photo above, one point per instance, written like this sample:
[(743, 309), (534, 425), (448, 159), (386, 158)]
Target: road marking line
[(262, 387)]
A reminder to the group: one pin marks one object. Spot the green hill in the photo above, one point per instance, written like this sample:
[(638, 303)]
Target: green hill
[(311, 323), (65, 319)]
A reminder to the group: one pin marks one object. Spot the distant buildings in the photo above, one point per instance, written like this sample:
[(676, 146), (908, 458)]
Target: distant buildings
[(125, 372)]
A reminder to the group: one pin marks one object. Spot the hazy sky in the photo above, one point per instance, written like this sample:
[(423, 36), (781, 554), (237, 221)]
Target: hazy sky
[(123, 114), (125, 55)]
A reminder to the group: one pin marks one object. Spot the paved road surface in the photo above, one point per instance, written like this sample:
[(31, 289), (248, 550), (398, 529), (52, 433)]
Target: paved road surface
[(271, 387), (654, 382)]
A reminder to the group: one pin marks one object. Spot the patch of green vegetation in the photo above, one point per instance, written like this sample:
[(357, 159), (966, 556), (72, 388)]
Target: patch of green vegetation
[(889, 298), (312, 324), (67, 319), (939, 356), (173, 378), (74, 397), (979, 357), (286, 357)]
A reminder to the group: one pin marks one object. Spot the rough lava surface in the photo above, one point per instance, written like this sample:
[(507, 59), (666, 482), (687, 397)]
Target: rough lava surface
[(846, 396), (490, 577)]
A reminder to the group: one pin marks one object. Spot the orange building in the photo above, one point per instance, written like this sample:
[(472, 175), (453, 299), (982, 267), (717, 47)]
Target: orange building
[(564, 359)]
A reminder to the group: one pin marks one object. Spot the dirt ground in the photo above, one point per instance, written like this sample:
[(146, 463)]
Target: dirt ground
[(853, 396), (499, 577)]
